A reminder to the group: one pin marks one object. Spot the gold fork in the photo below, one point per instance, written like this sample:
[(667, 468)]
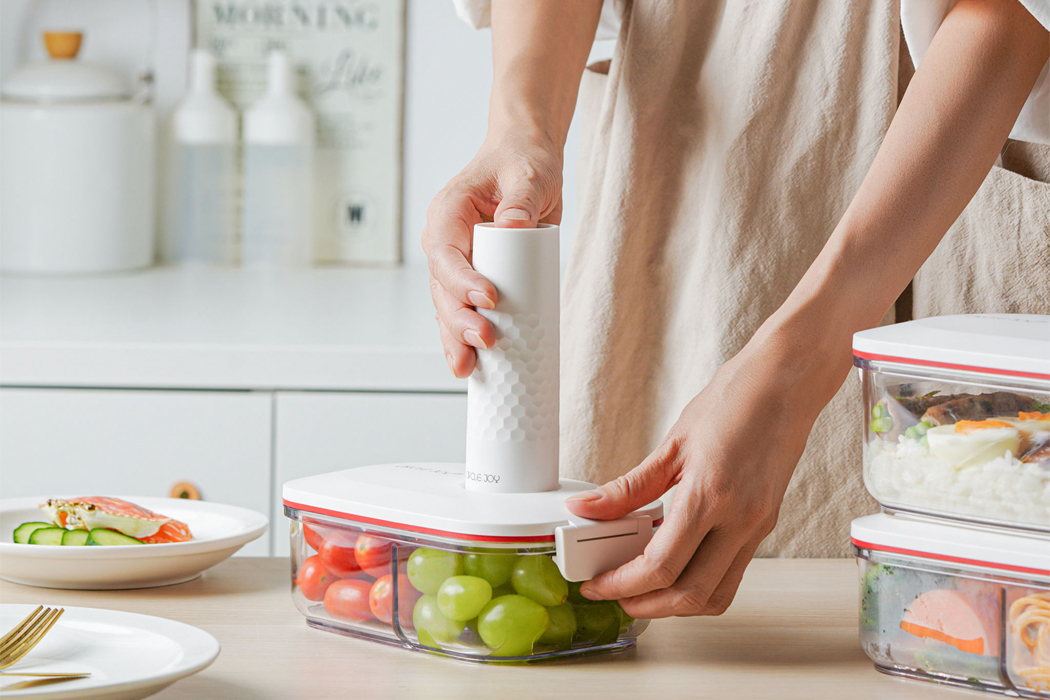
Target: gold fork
[(27, 634), (21, 685)]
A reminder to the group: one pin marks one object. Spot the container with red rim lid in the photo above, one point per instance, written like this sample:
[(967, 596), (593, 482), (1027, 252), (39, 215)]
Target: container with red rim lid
[(959, 605), (957, 418), (405, 554)]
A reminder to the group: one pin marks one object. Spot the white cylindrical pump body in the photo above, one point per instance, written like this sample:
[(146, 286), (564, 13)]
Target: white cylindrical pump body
[(277, 221), (205, 127), (512, 395)]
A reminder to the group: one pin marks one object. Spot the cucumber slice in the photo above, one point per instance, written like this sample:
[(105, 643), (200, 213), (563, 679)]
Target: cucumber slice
[(109, 538), (47, 535), (23, 531), (75, 537)]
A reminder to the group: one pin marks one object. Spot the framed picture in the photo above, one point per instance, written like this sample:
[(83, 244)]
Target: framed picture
[(350, 59)]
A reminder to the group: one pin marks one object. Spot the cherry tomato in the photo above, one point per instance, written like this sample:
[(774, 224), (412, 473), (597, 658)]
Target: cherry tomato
[(348, 600), (381, 599), (314, 535), (337, 553), (373, 554), (314, 579)]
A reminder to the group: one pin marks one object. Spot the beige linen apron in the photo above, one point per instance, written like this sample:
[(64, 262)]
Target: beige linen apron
[(720, 150), (996, 257)]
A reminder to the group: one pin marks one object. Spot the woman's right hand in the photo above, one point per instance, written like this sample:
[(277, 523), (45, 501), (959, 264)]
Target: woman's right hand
[(514, 181)]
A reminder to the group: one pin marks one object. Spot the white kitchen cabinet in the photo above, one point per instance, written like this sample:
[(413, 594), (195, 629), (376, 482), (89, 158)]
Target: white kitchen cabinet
[(323, 432), (111, 442), (234, 379)]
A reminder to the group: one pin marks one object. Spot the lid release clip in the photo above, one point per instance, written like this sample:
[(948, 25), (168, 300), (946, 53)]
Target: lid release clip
[(585, 548)]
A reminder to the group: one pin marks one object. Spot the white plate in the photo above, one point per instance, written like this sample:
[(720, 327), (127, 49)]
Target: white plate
[(218, 532), (129, 656)]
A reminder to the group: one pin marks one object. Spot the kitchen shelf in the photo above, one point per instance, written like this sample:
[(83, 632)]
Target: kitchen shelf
[(325, 328)]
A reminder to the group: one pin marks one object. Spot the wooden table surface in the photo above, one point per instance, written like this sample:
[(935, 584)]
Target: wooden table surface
[(791, 633)]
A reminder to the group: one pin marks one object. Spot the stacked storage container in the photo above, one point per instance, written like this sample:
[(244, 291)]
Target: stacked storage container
[(955, 572)]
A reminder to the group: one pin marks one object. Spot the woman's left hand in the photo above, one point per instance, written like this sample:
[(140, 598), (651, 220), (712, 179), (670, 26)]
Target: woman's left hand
[(731, 455)]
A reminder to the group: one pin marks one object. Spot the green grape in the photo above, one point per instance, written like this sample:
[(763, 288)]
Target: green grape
[(494, 568), (511, 624), (432, 625), (470, 635), (537, 577), (428, 568), (462, 597), (426, 640), (597, 622), (505, 589), (574, 593), (562, 627), (625, 620)]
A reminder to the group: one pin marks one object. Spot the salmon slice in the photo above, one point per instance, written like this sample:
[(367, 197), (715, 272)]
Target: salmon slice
[(968, 623), (171, 531), (133, 520)]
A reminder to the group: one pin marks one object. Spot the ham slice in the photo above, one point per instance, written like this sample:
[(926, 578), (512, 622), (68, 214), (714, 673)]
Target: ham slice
[(968, 622)]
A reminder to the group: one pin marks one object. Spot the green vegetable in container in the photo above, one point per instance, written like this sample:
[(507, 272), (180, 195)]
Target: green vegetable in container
[(883, 424), (918, 431)]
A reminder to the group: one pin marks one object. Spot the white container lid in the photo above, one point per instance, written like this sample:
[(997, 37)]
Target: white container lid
[(63, 79), (204, 116), (1016, 345), (1019, 554), (430, 499), (280, 117)]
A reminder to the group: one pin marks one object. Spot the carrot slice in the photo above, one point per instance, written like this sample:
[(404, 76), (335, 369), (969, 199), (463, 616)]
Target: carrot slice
[(968, 426)]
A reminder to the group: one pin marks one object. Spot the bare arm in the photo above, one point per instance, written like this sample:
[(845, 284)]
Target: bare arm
[(951, 124), (947, 133), (539, 48)]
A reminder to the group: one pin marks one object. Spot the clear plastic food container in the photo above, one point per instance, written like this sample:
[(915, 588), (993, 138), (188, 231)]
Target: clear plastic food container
[(955, 604), (957, 418), (374, 563)]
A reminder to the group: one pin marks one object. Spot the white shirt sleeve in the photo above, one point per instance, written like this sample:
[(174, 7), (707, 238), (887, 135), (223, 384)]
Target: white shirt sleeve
[(920, 20), (478, 14)]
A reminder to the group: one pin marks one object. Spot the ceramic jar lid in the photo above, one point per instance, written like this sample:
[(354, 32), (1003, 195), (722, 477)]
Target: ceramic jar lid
[(62, 78)]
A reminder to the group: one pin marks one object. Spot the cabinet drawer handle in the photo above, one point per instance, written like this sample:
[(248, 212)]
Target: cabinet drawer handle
[(185, 489)]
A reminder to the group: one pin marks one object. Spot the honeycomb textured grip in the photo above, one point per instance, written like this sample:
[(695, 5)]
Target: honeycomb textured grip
[(512, 395), (518, 375)]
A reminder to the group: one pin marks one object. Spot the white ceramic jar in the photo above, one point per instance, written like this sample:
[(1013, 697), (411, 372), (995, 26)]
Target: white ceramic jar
[(76, 168)]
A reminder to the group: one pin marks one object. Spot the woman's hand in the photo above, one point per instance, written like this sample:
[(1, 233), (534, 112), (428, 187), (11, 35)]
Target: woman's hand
[(731, 454), (735, 446), (539, 49), (516, 182)]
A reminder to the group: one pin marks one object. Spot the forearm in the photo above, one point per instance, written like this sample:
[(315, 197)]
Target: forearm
[(944, 138), (539, 51)]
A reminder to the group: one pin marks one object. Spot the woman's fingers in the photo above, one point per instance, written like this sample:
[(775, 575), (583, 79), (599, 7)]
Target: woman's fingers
[(454, 285), (447, 244), (519, 207), (463, 323), (666, 555), (461, 358), (635, 489), (723, 595), (693, 592)]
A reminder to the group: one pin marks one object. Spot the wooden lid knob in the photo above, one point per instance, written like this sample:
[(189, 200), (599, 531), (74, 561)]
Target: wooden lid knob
[(185, 489), (63, 45)]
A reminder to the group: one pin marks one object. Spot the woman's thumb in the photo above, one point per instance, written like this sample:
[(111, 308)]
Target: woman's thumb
[(635, 489), (518, 209)]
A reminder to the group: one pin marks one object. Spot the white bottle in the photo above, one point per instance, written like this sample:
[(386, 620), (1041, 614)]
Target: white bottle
[(205, 126), (278, 173)]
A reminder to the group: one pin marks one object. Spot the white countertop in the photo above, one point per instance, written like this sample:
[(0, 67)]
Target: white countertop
[(224, 328)]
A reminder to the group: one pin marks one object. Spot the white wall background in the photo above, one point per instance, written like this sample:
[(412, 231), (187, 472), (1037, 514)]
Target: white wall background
[(448, 74), (448, 77)]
